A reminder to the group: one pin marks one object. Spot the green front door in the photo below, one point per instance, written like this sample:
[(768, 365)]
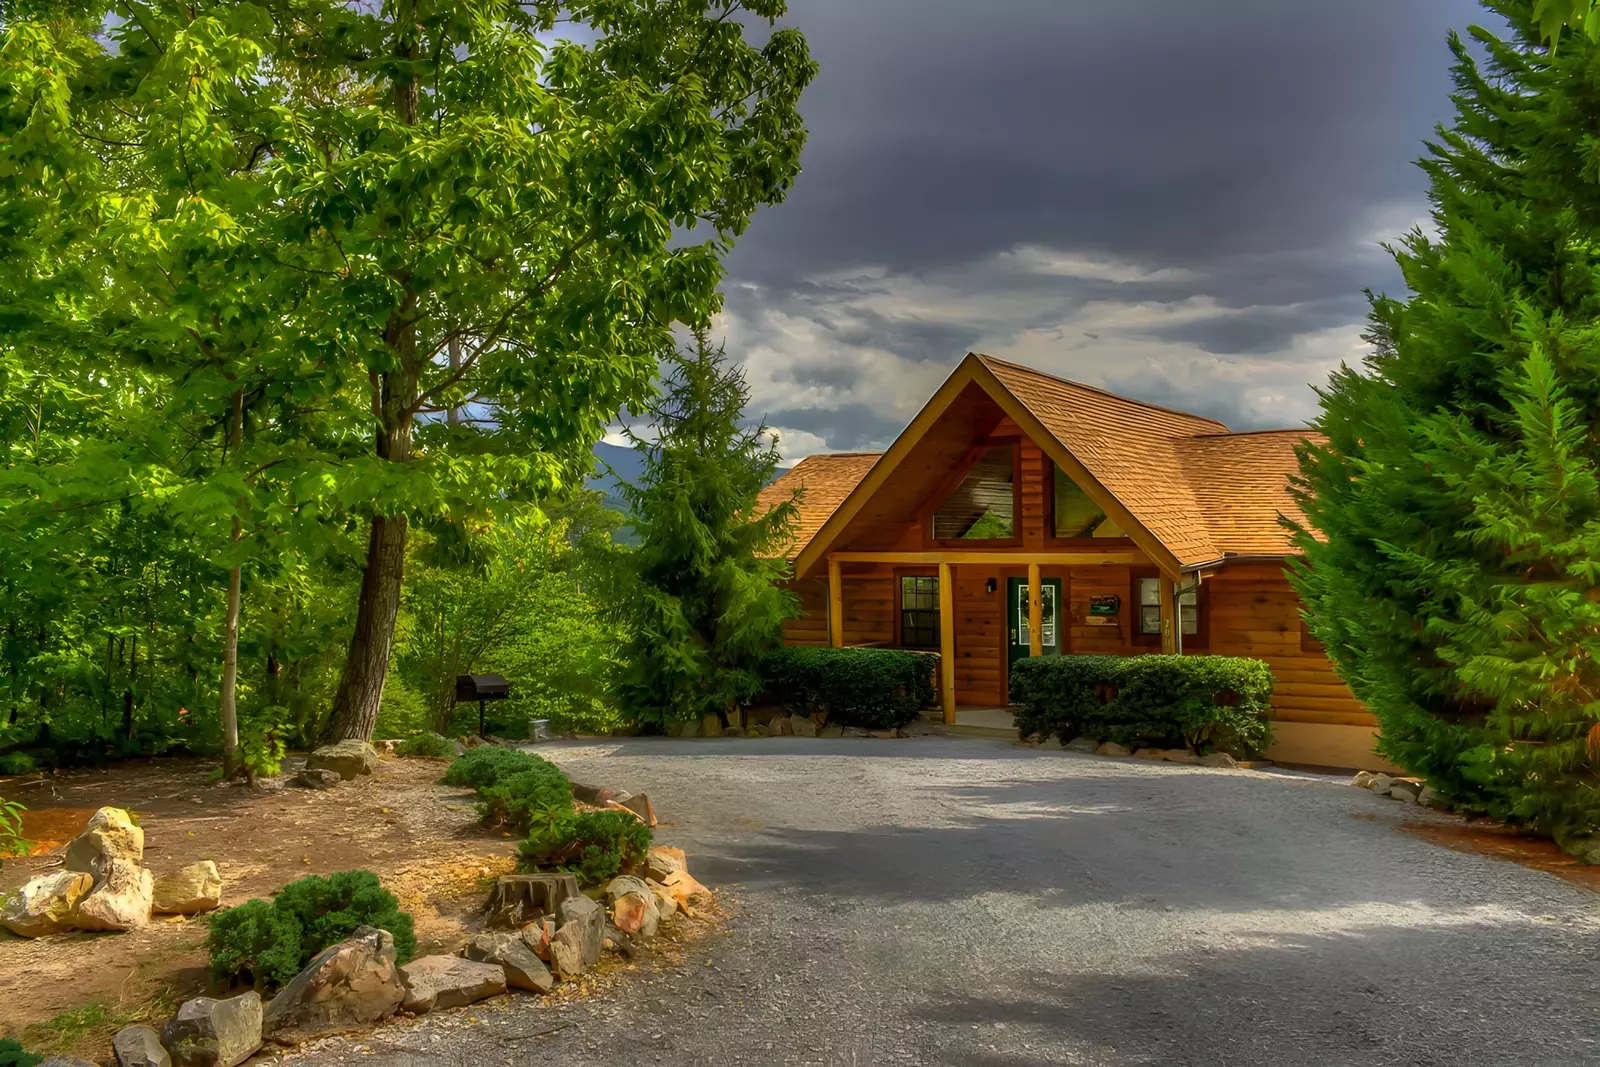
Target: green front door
[(1017, 618)]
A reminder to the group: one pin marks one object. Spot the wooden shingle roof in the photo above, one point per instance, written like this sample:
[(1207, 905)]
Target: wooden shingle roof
[(826, 478)]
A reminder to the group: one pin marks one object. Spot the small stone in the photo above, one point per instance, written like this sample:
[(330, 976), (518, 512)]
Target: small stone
[(139, 1046), (536, 935), (317, 778), (755, 731), (590, 920), (349, 759), (45, 904), (1082, 744), (1380, 783), (831, 731), (1429, 797), (193, 889), (1406, 791), (856, 731), (386, 748), (639, 804), (346, 986), (685, 889), (1363, 779), (449, 982), (1179, 755), (1111, 748), (523, 969), (620, 943), (214, 1033), (110, 835), (1151, 753), (566, 951), (662, 860), (121, 900), (1218, 759), (883, 735), (666, 903), (802, 726)]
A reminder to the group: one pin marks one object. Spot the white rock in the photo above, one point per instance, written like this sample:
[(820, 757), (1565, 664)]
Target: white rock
[(195, 888), (121, 900), (46, 903)]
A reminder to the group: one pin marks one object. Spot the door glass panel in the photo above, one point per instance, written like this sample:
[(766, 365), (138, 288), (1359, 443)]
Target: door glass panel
[(1047, 615)]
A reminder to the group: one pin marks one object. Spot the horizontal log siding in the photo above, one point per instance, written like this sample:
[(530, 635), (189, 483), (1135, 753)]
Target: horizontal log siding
[(1254, 612), (810, 628)]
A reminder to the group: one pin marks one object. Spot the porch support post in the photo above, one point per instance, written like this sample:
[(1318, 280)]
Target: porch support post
[(1169, 621), (1035, 612), (835, 605), (947, 642)]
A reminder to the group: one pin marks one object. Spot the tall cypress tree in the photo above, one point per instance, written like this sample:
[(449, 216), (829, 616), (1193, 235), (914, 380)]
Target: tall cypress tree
[(705, 602), (1456, 578)]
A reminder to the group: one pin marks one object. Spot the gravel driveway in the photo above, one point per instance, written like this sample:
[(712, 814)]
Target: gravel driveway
[(957, 901)]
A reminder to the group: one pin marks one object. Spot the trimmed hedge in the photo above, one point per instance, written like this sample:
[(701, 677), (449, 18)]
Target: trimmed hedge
[(874, 688), (1206, 703)]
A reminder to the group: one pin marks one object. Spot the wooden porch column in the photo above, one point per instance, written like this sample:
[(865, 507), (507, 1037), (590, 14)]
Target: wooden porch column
[(835, 605), (947, 642), (1169, 621), (1035, 612)]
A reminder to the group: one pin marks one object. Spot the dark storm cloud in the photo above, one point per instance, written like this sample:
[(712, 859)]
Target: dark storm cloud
[(1250, 151), (851, 428)]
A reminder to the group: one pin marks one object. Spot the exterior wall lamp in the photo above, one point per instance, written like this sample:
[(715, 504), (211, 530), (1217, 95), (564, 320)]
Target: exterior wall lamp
[(988, 586)]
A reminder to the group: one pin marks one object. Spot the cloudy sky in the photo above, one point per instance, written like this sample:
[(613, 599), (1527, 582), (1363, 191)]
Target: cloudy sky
[(1180, 200)]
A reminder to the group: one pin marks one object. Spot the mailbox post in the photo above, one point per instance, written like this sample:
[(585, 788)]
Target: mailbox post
[(482, 688)]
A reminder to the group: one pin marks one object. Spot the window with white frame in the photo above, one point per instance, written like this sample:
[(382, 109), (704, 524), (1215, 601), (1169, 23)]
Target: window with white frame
[(1150, 608)]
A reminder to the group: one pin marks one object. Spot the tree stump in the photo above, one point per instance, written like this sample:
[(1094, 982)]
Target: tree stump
[(519, 899)]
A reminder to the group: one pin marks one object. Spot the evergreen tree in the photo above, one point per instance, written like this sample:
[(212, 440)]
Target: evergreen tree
[(704, 603), (1454, 573)]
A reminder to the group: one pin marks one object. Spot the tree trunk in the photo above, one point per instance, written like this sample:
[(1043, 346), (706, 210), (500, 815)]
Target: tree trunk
[(230, 677), (355, 707)]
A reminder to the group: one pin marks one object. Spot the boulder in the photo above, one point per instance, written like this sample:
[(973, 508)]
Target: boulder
[(780, 727), (523, 969), (449, 982), (590, 919), (684, 889), (537, 936), (1380, 783), (635, 914), (733, 731), (195, 888), (386, 748), (345, 987), (1429, 797), (1082, 744), (1151, 753), (208, 1032), (639, 804), (1179, 755), (110, 835), (349, 759), (620, 943), (139, 1046), (755, 731), (1363, 779), (710, 726), (45, 903), (1406, 791), (830, 731), (802, 726), (856, 731), (566, 951), (317, 778), (663, 860), (1111, 748), (666, 903), (120, 901), (1218, 759), (688, 729)]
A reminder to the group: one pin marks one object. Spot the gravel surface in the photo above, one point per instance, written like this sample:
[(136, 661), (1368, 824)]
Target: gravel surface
[(960, 901)]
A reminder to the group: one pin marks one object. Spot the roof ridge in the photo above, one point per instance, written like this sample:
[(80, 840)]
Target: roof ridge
[(1258, 433), (1103, 392)]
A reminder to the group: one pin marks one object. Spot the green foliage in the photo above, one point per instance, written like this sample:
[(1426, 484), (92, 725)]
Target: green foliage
[(12, 1054), (1206, 703), (16, 763), (255, 942), (541, 794), (1577, 16), (427, 746), (12, 843), (486, 765), (874, 688), (1456, 498), (268, 944), (703, 596), (594, 845)]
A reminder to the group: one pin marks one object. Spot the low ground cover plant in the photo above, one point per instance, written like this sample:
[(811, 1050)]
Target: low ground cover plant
[(427, 745), (873, 688), (594, 845), (1206, 703), (265, 944)]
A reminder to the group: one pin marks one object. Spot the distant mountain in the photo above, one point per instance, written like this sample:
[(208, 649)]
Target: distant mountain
[(624, 460)]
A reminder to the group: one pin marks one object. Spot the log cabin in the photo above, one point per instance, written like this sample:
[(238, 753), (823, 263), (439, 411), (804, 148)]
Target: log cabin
[(1022, 514)]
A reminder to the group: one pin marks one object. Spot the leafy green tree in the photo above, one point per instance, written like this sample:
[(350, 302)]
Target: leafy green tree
[(704, 595), (1453, 541)]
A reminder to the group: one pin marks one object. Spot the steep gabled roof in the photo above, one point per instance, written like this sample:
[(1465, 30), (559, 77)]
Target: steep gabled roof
[(1187, 489), (826, 478)]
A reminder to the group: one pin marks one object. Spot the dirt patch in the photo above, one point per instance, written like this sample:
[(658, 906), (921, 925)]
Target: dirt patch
[(70, 992), (1507, 843)]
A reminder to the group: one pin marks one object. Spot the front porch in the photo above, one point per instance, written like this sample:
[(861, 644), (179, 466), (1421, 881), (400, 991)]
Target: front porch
[(983, 722)]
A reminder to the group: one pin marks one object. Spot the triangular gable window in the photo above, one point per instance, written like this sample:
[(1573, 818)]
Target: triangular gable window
[(1074, 515), (983, 507)]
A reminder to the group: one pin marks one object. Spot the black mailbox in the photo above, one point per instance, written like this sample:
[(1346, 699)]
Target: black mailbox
[(482, 688)]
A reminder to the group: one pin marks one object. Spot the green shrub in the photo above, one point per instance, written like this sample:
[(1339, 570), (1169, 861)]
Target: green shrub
[(1207, 703), (16, 763), (487, 764), (12, 1054), (594, 845), (255, 942), (427, 746), (268, 944), (540, 794), (875, 688)]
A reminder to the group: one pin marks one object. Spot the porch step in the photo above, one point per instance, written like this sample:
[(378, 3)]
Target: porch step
[(957, 730)]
